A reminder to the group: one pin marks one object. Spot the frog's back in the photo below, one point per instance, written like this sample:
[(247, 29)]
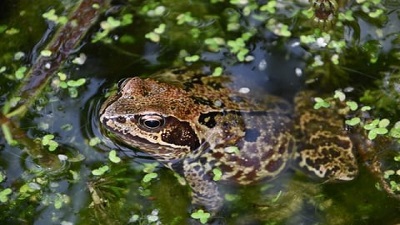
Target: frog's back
[(245, 135), (260, 149)]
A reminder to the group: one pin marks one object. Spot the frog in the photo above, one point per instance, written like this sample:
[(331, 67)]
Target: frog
[(203, 126)]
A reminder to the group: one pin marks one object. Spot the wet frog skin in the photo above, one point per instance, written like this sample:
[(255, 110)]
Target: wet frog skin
[(194, 123)]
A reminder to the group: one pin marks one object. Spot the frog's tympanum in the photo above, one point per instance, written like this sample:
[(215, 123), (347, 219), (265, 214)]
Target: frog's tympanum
[(195, 123)]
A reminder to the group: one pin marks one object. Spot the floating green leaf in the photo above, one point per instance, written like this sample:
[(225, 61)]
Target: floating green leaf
[(395, 132), (269, 7), (19, 74), (384, 123), (185, 18), (75, 176), (19, 55), (365, 108), (60, 200), (158, 11), (160, 29), (150, 167), (45, 53), (110, 24), (352, 104), (214, 43), (127, 19), (47, 140), (282, 30), (152, 218), (241, 55), (353, 121), (73, 92), (380, 130), (62, 76), (192, 58), (2, 69), (12, 31), (153, 36), (134, 218), (236, 45), (335, 59), (100, 171), (372, 135), (94, 141), (62, 20), (80, 60), (148, 177), (231, 197), (376, 14), (26, 188), (217, 174), (388, 173), (217, 71), (371, 125), (346, 16), (340, 95), (76, 83), (50, 15), (4, 195), (113, 157), (321, 103), (201, 215)]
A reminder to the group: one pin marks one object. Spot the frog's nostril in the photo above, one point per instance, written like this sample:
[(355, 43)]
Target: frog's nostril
[(120, 119)]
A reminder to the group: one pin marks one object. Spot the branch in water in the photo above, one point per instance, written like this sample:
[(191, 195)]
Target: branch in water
[(65, 41)]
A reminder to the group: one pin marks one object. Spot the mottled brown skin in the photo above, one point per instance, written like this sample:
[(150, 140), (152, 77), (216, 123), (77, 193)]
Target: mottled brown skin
[(324, 146), (190, 121)]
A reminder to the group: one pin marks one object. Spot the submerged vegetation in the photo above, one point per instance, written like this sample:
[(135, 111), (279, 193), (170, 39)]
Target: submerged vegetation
[(56, 167)]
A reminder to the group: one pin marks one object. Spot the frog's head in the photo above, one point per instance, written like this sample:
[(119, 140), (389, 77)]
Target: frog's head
[(154, 117)]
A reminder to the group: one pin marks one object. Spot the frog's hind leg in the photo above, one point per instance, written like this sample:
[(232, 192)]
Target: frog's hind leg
[(325, 148)]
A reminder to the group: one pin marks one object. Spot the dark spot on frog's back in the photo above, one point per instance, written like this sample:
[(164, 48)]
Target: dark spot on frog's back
[(202, 101), (216, 85), (208, 119), (251, 135), (274, 165), (179, 133), (195, 80)]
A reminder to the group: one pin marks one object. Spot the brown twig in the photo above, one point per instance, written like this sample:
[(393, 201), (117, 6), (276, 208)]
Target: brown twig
[(63, 44)]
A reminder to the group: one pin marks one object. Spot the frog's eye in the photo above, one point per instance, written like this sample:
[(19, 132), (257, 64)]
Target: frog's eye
[(151, 122)]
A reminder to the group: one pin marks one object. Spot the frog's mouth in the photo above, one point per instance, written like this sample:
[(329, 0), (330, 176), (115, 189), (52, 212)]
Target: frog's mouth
[(148, 144)]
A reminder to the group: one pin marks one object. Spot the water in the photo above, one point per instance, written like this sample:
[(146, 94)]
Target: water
[(73, 195)]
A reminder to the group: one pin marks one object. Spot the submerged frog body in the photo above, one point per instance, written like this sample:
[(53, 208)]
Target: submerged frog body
[(196, 124)]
